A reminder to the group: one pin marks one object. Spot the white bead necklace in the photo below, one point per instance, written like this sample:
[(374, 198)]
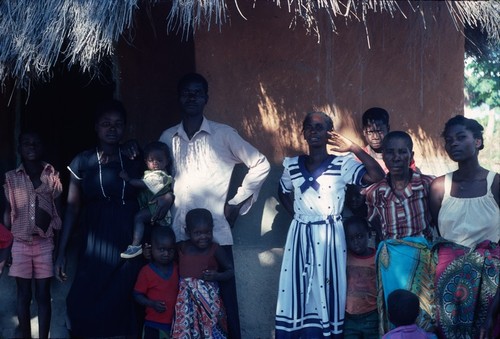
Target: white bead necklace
[(100, 175)]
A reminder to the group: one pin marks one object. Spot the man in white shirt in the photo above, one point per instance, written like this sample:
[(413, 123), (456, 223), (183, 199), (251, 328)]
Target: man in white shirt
[(204, 154)]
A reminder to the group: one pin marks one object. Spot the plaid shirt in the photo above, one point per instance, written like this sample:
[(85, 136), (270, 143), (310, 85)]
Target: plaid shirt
[(405, 217), (22, 197)]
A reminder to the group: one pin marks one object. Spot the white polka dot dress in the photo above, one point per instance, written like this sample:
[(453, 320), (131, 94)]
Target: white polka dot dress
[(312, 287)]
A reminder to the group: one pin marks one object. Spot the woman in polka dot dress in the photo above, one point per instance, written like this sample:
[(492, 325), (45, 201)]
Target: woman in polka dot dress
[(312, 288)]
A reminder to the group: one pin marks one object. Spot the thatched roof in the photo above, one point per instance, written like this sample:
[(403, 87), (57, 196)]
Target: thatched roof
[(35, 35)]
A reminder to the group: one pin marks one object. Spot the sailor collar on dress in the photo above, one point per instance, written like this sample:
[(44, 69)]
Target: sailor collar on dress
[(310, 178)]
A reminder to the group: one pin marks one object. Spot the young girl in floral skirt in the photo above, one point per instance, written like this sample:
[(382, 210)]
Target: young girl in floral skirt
[(199, 311)]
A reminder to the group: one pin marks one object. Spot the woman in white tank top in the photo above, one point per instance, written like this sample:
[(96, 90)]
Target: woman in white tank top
[(465, 207)]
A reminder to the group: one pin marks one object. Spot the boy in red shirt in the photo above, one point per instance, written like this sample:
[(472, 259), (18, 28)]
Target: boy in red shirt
[(158, 283)]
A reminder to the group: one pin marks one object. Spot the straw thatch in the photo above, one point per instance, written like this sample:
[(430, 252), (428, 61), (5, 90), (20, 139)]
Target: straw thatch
[(36, 34)]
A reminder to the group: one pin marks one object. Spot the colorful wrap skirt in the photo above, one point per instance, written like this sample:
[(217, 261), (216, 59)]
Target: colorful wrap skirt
[(312, 287), (466, 282), (406, 264), (199, 311)]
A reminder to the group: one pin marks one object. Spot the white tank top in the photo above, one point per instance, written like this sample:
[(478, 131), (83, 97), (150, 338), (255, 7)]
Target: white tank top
[(469, 221)]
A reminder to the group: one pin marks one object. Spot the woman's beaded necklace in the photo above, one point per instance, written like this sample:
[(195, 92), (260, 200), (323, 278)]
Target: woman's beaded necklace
[(100, 175)]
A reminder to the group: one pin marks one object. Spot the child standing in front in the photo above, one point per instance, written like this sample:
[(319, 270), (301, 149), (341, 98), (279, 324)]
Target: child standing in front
[(32, 214), (404, 309), (157, 284), (199, 312), (361, 320), (156, 182)]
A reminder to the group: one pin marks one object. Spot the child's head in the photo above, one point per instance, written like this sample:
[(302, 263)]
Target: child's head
[(403, 307), (354, 199), (357, 233), (30, 146), (397, 151), (375, 126), (199, 226), (157, 156), (162, 244)]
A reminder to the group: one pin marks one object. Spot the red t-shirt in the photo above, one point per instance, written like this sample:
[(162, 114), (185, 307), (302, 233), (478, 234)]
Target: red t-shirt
[(156, 286)]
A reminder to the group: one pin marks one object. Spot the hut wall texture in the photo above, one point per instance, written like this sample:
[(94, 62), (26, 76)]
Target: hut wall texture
[(263, 77)]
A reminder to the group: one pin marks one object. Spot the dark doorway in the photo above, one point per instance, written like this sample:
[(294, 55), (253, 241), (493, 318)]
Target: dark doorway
[(62, 110)]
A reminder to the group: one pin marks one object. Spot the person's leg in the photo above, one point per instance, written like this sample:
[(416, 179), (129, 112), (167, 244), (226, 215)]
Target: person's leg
[(350, 328), (4, 253), (150, 333), (230, 299), (43, 270), (42, 295), (142, 218), (23, 306)]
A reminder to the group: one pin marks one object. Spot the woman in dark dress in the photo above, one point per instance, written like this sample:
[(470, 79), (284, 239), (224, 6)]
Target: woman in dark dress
[(100, 301)]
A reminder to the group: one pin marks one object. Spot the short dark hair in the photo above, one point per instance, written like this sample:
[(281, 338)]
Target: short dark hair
[(355, 219), (30, 131), (160, 231), (159, 146), (326, 117), (470, 124), (397, 135), (403, 307), (107, 106), (190, 78), (199, 214), (375, 113)]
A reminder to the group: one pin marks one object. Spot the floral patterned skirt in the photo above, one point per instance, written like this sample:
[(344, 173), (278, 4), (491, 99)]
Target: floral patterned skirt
[(199, 311), (466, 282)]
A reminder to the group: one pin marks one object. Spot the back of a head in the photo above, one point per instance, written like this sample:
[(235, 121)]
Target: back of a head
[(403, 307), (375, 114)]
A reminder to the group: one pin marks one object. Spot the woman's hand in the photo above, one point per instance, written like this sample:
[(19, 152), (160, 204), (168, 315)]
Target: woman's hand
[(339, 143), (60, 269), (130, 149)]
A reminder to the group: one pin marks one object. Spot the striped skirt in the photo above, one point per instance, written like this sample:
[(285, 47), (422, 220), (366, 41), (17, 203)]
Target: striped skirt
[(312, 287)]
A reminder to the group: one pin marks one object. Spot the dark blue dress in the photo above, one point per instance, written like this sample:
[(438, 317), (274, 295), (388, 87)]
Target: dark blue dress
[(100, 301)]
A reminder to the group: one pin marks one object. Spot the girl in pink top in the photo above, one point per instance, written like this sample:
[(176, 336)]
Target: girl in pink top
[(32, 214), (199, 311)]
